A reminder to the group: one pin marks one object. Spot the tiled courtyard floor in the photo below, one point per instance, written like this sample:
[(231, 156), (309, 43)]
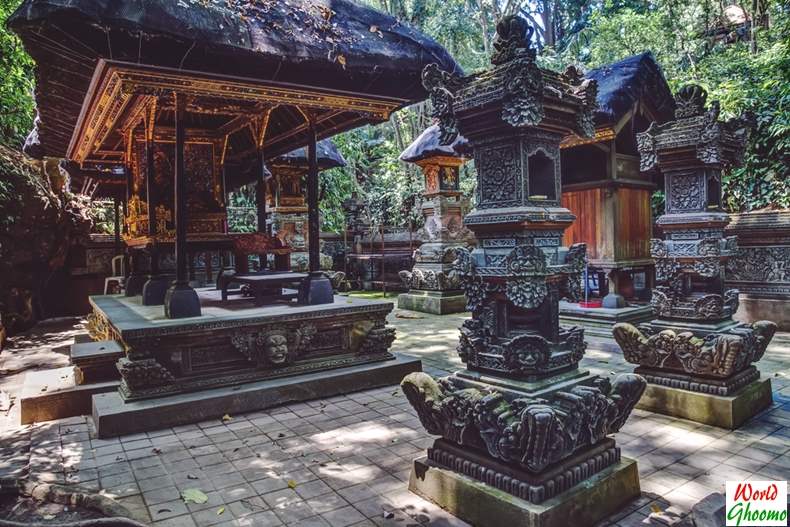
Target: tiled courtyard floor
[(345, 461)]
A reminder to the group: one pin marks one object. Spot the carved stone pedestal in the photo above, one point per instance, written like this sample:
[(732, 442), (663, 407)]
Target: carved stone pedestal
[(603, 494), (729, 411), (524, 433), (435, 302), (697, 359)]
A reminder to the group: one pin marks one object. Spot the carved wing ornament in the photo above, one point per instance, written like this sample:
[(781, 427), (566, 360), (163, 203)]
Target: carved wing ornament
[(441, 84)]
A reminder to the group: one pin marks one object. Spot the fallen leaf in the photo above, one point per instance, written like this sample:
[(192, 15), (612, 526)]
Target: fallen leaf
[(341, 59), (162, 511), (374, 29), (655, 508), (49, 516), (291, 484), (226, 418), (220, 510), (156, 451), (194, 496), (388, 515), (192, 476), (280, 435)]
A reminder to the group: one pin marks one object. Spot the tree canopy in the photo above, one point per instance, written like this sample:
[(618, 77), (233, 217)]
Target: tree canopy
[(739, 53)]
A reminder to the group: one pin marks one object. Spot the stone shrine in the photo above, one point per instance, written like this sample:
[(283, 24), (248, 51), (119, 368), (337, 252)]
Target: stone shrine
[(524, 432), (696, 358), (287, 199), (433, 288)]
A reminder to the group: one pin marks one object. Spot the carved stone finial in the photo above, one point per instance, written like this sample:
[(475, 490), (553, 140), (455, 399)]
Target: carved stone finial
[(440, 84), (690, 101), (513, 39)]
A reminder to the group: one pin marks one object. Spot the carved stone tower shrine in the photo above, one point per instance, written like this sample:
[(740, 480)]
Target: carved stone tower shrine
[(433, 287), (522, 418), (697, 360)]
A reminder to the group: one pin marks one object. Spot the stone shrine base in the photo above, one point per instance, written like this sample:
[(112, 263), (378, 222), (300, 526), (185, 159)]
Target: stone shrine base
[(598, 322), (485, 506), (434, 302), (723, 411), (113, 417)]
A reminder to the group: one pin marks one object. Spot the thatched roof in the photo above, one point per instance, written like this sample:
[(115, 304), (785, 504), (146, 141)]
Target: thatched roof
[(428, 145), (326, 152), (621, 84), (324, 44)]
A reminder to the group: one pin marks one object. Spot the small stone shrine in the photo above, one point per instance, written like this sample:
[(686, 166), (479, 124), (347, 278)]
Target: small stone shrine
[(433, 288), (524, 432), (287, 197), (698, 361)]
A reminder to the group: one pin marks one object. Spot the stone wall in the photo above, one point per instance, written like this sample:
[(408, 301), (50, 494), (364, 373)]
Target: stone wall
[(761, 268)]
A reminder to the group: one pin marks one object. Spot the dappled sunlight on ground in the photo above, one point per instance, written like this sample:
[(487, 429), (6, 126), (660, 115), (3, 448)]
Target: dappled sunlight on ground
[(346, 460)]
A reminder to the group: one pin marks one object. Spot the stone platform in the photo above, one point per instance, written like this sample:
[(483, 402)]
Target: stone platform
[(113, 416), (728, 412), (479, 504), (235, 342), (434, 302), (598, 322)]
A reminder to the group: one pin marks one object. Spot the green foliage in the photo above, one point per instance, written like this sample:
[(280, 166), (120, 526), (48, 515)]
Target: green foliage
[(16, 90), (39, 222), (744, 81)]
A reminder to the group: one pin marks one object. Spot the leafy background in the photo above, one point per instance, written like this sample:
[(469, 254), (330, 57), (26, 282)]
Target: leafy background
[(751, 73)]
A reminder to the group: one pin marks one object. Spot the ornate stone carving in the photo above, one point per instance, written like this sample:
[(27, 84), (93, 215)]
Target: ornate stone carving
[(378, 340), (506, 408), (713, 354), (716, 355), (439, 84), (530, 433), (142, 374), (274, 347)]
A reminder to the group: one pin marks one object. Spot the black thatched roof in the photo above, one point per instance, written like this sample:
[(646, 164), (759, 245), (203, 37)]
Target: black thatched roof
[(325, 44), (623, 83), (427, 145), (326, 152)]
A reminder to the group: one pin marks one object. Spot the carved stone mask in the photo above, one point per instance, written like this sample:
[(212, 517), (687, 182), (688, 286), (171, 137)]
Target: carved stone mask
[(276, 348)]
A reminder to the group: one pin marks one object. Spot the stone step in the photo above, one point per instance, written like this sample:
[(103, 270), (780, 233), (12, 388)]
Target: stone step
[(54, 394), (95, 361)]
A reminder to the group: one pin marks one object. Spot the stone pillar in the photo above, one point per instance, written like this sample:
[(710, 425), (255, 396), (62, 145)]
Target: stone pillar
[(433, 287), (521, 418), (696, 358)]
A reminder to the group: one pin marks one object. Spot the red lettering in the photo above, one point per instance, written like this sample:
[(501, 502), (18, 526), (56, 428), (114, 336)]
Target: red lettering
[(740, 491)]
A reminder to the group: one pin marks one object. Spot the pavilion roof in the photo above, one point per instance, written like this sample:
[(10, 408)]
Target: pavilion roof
[(623, 83), (427, 145), (321, 44), (327, 153)]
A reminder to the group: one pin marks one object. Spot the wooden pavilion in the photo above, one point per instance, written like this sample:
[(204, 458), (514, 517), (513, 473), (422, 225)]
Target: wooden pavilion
[(179, 94), (601, 182)]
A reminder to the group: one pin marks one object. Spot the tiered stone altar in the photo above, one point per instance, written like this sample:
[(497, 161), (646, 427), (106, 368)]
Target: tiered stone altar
[(184, 370), (696, 358), (433, 288), (524, 432)]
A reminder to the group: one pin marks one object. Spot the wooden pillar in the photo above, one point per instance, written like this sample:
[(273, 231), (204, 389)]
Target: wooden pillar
[(152, 199), (181, 300), (117, 224), (260, 198), (181, 198), (314, 262)]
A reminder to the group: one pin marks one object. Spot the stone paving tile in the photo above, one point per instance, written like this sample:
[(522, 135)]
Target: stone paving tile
[(348, 458)]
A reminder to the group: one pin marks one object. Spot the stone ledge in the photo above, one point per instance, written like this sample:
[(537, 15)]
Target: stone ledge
[(723, 411), (114, 417), (434, 302), (53, 394), (479, 504)]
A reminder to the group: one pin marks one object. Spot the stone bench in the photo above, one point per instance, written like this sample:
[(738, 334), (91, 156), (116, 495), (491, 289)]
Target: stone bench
[(95, 361)]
